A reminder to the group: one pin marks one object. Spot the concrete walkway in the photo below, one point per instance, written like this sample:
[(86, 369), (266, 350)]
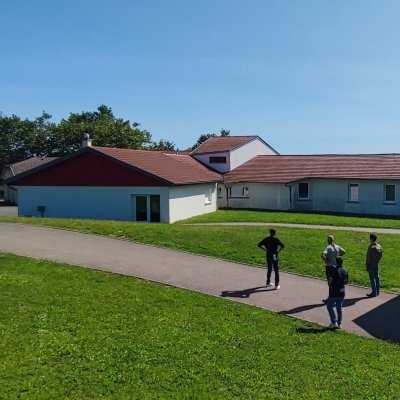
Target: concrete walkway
[(393, 231), (298, 297)]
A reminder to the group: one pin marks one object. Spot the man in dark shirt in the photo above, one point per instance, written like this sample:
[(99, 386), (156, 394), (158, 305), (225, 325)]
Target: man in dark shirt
[(272, 246), (337, 279)]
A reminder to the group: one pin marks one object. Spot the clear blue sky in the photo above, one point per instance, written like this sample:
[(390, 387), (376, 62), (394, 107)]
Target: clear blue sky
[(312, 76)]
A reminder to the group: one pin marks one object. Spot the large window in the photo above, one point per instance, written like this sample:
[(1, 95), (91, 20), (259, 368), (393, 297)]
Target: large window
[(353, 192), (303, 191), (217, 160), (147, 208), (390, 193), (238, 191)]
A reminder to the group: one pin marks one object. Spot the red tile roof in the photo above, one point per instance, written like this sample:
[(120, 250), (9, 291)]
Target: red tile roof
[(292, 168), (30, 163), (217, 144), (175, 168)]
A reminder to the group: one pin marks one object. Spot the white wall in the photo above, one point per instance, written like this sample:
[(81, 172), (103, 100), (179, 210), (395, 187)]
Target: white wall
[(248, 151), (189, 200), (271, 196), (114, 203), (333, 196), (205, 159)]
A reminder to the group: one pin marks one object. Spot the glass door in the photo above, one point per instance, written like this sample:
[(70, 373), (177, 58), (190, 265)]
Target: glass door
[(141, 208), (147, 208)]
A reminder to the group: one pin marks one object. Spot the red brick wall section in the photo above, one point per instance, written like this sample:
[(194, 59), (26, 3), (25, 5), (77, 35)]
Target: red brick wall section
[(88, 170)]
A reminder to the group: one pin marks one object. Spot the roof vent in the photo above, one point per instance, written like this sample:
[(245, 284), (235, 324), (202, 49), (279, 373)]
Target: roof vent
[(86, 141)]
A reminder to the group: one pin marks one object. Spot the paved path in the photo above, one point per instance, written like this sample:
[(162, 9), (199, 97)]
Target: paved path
[(299, 296), (306, 226)]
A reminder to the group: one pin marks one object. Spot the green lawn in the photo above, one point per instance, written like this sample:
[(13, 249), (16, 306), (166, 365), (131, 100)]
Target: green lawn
[(239, 244), (295, 218), (69, 332)]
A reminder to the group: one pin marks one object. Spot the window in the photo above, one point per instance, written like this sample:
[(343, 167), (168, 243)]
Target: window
[(220, 191), (208, 196), (390, 193), (217, 160), (303, 190), (238, 191), (353, 192)]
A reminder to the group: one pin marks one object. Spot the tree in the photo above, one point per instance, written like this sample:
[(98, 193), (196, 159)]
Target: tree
[(162, 145), (21, 138), (102, 126), (206, 136)]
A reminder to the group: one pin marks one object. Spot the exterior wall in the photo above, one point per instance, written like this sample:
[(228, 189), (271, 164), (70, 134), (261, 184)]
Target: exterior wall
[(271, 196), (114, 203), (189, 201), (205, 159), (248, 151), (10, 195), (333, 196)]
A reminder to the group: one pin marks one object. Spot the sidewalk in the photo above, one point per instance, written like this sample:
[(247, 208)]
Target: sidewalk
[(298, 297)]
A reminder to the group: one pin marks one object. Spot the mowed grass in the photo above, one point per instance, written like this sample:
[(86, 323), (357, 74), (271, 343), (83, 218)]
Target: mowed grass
[(239, 244), (68, 332), (295, 218)]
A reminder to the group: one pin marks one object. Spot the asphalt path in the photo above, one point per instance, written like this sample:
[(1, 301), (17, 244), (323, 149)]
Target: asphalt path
[(298, 297)]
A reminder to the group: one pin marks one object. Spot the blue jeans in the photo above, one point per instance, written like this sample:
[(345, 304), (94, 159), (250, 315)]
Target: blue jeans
[(332, 302), (374, 278)]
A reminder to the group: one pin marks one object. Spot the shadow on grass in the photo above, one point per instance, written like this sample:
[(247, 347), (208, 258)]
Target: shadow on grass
[(313, 330), (246, 293)]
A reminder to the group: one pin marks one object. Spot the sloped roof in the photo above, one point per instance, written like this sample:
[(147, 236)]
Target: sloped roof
[(30, 163), (217, 144), (285, 169), (175, 168)]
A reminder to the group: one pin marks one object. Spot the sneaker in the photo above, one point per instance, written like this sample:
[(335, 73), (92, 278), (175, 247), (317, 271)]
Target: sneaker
[(277, 287), (371, 294), (268, 284), (339, 326), (333, 325)]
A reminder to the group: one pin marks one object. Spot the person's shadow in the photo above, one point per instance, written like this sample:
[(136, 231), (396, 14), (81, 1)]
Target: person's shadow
[(296, 310), (246, 293)]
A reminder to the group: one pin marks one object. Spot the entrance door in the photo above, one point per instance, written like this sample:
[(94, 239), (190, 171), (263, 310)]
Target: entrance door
[(147, 208), (141, 208)]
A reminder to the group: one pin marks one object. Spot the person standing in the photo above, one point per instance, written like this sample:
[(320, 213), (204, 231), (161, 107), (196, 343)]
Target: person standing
[(374, 255), (272, 246), (337, 279), (330, 255)]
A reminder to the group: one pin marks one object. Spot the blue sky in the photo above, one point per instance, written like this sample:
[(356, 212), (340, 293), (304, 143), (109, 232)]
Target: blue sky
[(309, 77)]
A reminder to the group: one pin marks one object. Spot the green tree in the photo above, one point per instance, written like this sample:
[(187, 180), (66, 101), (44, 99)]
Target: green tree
[(205, 136), (21, 138), (162, 145), (103, 127)]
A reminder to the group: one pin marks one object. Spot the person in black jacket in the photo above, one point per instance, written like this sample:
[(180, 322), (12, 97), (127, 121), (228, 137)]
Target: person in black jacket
[(272, 246)]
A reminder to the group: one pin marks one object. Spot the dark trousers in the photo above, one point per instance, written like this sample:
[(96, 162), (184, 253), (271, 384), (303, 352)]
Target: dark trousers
[(271, 263)]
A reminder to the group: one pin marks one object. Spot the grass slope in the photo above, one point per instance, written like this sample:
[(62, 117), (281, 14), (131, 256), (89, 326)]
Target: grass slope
[(295, 218), (239, 244), (69, 332)]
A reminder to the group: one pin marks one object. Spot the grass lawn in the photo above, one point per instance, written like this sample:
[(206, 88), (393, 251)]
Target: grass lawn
[(294, 218), (69, 332), (239, 244)]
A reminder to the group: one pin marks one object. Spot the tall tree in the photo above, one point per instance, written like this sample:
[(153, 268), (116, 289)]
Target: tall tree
[(205, 136), (162, 145), (103, 127), (22, 138)]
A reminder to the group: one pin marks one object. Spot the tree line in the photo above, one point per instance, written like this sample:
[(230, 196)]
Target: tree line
[(24, 138)]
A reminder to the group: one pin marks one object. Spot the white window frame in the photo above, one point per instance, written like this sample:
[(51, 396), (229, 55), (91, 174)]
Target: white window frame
[(353, 194), (308, 191), (385, 193), (245, 191)]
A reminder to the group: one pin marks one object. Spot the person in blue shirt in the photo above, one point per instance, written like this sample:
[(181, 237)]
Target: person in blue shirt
[(337, 279), (272, 246)]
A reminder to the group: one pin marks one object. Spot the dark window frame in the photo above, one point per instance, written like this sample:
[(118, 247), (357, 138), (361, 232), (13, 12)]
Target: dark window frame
[(300, 194), (217, 160)]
